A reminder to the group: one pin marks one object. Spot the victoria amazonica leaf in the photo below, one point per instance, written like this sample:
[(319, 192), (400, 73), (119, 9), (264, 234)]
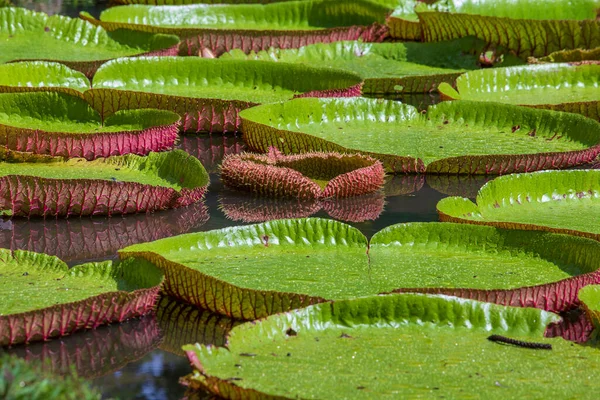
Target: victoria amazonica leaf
[(388, 346), (208, 94), (220, 28), (252, 271), (43, 298), (561, 87), (58, 124), (28, 35), (34, 185), (556, 201), (460, 137), (32, 76)]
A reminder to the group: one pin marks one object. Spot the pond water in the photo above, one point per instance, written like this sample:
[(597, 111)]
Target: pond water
[(142, 358)]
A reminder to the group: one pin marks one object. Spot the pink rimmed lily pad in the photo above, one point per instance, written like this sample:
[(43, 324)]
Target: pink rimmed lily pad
[(51, 186), (304, 176), (43, 298), (58, 124)]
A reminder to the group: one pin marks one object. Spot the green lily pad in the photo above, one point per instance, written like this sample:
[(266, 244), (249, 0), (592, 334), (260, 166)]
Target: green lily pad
[(43, 298), (556, 201), (249, 272), (526, 27), (28, 35), (387, 346), (208, 94), (31, 76), (452, 137), (221, 28), (51, 186), (385, 67), (590, 298), (577, 55), (59, 124), (561, 87)]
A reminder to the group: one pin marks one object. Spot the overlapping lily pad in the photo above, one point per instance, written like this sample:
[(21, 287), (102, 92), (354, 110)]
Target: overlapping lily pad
[(526, 27), (387, 346), (59, 124), (28, 35), (208, 94), (385, 67), (43, 298), (561, 87), (221, 28), (556, 201), (252, 271), (32, 76), (453, 137), (590, 298), (305, 176), (51, 186)]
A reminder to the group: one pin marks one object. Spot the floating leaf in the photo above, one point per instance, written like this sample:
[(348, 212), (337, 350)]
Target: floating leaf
[(218, 29), (32, 76), (28, 35), (590, 298), (43, 298), (410, 345), (386, 67), (51, 186), (453, 137), (305, 176), (78, 240), (249, 272), (555, 201), (560, 87), (208, 94), (527, 27), (577, 55), (59, 124)]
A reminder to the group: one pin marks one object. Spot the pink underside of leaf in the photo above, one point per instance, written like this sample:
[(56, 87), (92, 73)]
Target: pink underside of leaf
[(577, 328), (29, 196), (89, 146), (353, 91), (64, 319), (220, 41), (555, 297)]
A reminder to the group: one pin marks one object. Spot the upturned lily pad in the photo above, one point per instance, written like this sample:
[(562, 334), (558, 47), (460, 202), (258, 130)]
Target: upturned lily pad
[(590, 298), (388, 346), (460, 137), (79, 240), (260, 209), (561, 87), (249, 27), (208, 94), (304, 176), (28, 35), (385, 67), (249, 272), (526, 27), (52, 186), (32, 76), (555, 201), (43, 298), (59, 124), (577, 55)]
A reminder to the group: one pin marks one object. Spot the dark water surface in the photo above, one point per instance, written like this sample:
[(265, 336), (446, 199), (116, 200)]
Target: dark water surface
[(142, 358)]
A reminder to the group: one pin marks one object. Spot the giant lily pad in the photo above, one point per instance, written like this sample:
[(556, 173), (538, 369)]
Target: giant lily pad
[(304, 176), (556, 201), (561, 87), (59, 124), (51, 186), (590, 298), (577, 55), (453, 137), (27, 35), (252, 271), (221, 28), (43, 298), (409, 346), (32, 76), (385, 67), (208, 94), (527, 27)]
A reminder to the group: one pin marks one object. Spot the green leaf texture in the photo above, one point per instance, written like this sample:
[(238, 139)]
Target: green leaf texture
[(452, 137), (33, 76)]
